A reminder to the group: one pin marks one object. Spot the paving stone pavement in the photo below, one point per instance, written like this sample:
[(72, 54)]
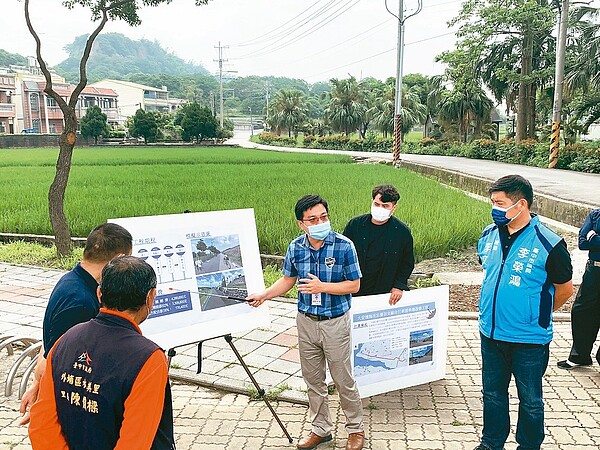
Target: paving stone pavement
[(442, 415)]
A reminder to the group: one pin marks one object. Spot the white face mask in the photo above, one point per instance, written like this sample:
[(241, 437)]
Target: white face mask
[(380, 214)]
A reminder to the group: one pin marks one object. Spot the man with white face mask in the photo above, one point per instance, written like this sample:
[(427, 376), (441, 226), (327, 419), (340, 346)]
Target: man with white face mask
[(527, 274), (384, 246)]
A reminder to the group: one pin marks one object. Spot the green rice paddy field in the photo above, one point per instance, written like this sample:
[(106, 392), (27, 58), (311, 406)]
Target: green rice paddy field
[(123, 182)]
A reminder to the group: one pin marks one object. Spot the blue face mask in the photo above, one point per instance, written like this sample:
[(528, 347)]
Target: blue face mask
[(499, 215), (319, 231)]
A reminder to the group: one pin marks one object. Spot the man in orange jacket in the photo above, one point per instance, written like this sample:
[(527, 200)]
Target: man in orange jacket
[(105, 385)]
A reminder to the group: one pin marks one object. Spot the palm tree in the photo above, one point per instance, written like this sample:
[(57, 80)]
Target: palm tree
[(582, 74), (287, 111), (347, 110), (382, 112), (468, 107)]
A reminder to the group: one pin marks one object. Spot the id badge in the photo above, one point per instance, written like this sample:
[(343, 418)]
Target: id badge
[(316, 299)]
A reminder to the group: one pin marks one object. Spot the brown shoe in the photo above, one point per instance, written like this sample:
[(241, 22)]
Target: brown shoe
[(356, 441), (312, 440)]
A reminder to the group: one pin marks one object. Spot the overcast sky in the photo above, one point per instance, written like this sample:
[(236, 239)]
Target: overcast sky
[(310, 39)]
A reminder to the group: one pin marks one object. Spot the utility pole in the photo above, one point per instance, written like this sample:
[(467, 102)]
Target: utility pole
[(268, 94), (251, 122), (212, 102), (559, 75), (221, 61), (398, 105), (399, 62)]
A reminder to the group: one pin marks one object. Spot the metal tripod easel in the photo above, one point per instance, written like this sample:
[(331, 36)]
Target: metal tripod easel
[(261, 392)]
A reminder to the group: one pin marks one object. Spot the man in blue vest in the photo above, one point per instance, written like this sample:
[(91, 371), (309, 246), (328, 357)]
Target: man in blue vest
[(105, 385), (527, 274)]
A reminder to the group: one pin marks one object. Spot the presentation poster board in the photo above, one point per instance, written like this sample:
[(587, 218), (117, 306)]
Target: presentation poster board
[(399, 346), (206, 264)]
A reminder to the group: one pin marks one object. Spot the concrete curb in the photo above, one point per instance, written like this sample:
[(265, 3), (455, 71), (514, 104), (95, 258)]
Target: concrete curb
[(547, 205), (459, 315), (238, 387)]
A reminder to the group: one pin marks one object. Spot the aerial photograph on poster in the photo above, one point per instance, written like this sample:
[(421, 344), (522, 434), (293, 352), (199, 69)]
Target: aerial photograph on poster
[(220, 289), (216, 253), (421, 337), (421, 355)]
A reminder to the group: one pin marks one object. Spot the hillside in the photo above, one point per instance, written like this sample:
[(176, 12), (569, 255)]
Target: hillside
[(116, 56), (6, 59)]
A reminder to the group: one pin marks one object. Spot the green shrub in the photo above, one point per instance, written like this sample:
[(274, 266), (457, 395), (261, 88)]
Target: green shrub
[(275, 139), (309, 139), (582, 157), (117, 134), (427, 141)]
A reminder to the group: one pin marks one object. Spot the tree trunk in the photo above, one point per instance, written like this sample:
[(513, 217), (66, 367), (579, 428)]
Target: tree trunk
[(56, 194), (531, 131), (524, 105)]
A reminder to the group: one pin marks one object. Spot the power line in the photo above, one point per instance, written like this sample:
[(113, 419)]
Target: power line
[(380, 53), (250, 42), (345, 41), (293, 39), (288, 31)]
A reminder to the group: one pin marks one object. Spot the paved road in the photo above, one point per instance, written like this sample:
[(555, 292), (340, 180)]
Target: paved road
[(444, 415), (218, 263), (565, 184)]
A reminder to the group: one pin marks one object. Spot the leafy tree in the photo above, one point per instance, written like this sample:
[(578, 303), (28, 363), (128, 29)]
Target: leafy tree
[(418, 84), (510, 42), (144, 124), (383, 110), (582, 71), (94, 123), (466, 106), (347, 109), (198, 122), (288, 111), (102, 11)]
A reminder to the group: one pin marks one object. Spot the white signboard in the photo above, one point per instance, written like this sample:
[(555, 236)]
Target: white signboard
[(402, 345), (206, 264)]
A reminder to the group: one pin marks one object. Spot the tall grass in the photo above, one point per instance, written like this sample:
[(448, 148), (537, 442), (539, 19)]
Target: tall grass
[(109, 183)]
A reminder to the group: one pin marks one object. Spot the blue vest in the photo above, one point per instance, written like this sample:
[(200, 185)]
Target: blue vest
[(517, 298), (94, 367)]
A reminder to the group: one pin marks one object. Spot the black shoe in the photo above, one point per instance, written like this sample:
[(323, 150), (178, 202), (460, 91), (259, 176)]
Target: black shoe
[(568, 365), (481, 447)]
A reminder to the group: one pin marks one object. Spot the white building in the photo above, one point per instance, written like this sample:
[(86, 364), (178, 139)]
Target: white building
[(133, 96)]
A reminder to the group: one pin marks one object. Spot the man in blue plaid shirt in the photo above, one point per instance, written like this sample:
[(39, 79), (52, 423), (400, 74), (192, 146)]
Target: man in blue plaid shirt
[(326, 267)]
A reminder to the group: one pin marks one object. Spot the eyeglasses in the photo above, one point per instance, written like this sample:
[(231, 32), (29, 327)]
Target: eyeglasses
[(316, 220)]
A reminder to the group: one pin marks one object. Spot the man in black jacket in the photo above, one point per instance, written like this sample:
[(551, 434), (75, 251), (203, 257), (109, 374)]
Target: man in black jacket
[(384, 245)]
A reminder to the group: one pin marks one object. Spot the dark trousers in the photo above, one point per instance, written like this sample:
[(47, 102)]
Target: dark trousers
[(585, 317), (527, 362)]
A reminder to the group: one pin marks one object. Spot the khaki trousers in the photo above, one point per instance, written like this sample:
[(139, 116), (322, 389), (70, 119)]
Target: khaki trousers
[(328, 341)]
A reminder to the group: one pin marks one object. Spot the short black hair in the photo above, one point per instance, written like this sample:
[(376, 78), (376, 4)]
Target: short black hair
[(107, 241), (515, 187), (307, 202), (388, 193), (126, 282)]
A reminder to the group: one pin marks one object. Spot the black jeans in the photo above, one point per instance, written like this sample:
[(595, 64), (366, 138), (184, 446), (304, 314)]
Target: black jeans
[(585, 317)]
